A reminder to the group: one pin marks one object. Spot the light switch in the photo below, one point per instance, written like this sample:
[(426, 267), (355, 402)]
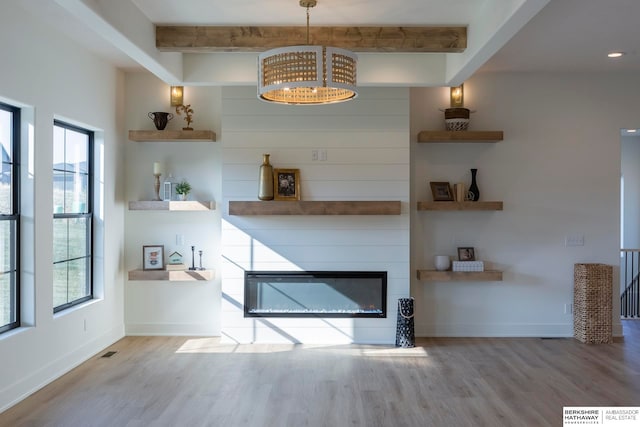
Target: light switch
[(574, 240)]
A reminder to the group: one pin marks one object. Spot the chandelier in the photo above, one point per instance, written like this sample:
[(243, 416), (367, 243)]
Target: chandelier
[(307, 75)]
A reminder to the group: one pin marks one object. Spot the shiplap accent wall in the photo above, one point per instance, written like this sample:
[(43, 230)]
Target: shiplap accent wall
[(367, 146)]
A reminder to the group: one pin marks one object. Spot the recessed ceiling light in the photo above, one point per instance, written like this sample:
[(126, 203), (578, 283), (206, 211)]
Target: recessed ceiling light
[(632, 130), (615, 54)]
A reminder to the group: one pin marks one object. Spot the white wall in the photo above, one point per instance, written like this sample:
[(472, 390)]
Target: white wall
[(557, 171), (630, 156), (630, 171), (162, 307), (52, 77), (367, 145)]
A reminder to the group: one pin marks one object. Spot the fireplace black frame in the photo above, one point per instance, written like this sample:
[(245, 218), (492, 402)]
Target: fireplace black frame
[(382, 275)]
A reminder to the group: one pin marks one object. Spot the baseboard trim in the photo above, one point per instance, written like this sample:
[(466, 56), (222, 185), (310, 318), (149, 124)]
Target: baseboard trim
[(558, 330), (50, 372), (171, 329), (505, 330)]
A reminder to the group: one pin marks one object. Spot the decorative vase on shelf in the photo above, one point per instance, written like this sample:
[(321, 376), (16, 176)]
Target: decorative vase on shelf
[(442, 262), (474, 192), (160, 119), (265, 189)]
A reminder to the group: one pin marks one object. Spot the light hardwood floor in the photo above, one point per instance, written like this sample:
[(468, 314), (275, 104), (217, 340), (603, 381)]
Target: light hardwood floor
[(182, 381)]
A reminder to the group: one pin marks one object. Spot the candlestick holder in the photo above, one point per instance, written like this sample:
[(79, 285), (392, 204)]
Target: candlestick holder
[(200, 253), (193, 259), (157, 186)]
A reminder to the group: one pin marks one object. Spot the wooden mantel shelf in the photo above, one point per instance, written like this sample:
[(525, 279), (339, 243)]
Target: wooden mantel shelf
[(172, 276), (460, 206), (172, 135), (460, 136), (277, 207), (455, 276), (174, 205)]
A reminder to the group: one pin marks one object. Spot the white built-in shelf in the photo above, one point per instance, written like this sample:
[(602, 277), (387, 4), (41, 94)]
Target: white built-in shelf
[(455, 276), (172, 135), (173, 205), (172, 276), (460, 136), (277, 207), (460, 206)]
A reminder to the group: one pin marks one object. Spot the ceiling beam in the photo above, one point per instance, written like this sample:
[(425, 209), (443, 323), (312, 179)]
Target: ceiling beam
[(357, 39)]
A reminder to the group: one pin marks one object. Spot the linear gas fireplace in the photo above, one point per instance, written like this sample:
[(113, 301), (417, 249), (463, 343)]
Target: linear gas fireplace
[(315, 294)]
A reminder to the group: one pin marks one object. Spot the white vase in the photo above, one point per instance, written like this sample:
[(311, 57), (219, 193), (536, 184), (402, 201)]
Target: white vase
[(442, 262)]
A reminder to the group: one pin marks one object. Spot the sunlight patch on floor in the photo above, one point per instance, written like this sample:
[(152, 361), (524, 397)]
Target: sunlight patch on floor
[(213, 345)]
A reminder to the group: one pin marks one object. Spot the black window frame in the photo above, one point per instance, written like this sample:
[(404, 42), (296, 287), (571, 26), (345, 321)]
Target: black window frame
[(88, 215), (15, 215)]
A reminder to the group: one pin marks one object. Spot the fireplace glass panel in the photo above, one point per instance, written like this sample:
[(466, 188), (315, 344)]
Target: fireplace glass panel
[(315, 294)]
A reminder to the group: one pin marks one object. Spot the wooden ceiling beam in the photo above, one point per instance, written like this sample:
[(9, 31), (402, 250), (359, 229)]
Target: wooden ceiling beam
[(357, 39)]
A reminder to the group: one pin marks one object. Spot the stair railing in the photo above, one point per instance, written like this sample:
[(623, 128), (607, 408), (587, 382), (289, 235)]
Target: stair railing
[(630, 271)]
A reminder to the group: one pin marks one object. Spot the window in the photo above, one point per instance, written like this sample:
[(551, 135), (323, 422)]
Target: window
[(9, 218), (72, 215)]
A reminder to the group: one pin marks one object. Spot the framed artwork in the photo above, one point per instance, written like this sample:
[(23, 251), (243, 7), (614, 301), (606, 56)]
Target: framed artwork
[(441, 191), (286, 183), (466, 254), (153, 257)]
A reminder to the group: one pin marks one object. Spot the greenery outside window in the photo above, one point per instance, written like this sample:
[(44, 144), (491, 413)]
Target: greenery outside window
[(72, 215)]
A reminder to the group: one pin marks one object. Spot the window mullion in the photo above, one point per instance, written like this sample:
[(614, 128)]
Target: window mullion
[(10, 207), (73, 146)]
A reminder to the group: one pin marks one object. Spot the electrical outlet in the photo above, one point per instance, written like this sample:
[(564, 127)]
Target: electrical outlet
[(179, 239), (314, 155), (568, 309), (322, 155)]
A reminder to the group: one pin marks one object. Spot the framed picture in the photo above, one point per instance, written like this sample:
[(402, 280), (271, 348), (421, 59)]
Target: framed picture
[(466, 254), (441, 191), (286, 183), (153, 257)]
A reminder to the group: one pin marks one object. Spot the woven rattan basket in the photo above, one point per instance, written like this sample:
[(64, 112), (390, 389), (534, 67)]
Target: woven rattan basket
[(592, 293), (456, 119)]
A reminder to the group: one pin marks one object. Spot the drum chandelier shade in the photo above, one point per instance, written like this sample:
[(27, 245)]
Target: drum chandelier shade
[(307, 75)]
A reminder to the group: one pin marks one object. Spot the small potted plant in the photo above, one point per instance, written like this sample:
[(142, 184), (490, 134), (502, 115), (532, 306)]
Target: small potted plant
[(183, 188)]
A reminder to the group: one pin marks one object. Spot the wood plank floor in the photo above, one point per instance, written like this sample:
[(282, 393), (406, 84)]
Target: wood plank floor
[(182, 381)]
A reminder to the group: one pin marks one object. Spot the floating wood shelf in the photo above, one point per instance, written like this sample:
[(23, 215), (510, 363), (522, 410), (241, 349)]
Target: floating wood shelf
[(172, 135), (172, 276), (187, 205), (459, 206), (455, 276), (460, 136), (314, 207)]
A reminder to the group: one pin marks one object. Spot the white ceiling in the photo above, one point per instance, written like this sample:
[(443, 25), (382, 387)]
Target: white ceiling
[(575, 36), (504, 35), (327, 12)]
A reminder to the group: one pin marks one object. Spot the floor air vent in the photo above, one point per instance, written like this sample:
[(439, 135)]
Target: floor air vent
[(109, 354)]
